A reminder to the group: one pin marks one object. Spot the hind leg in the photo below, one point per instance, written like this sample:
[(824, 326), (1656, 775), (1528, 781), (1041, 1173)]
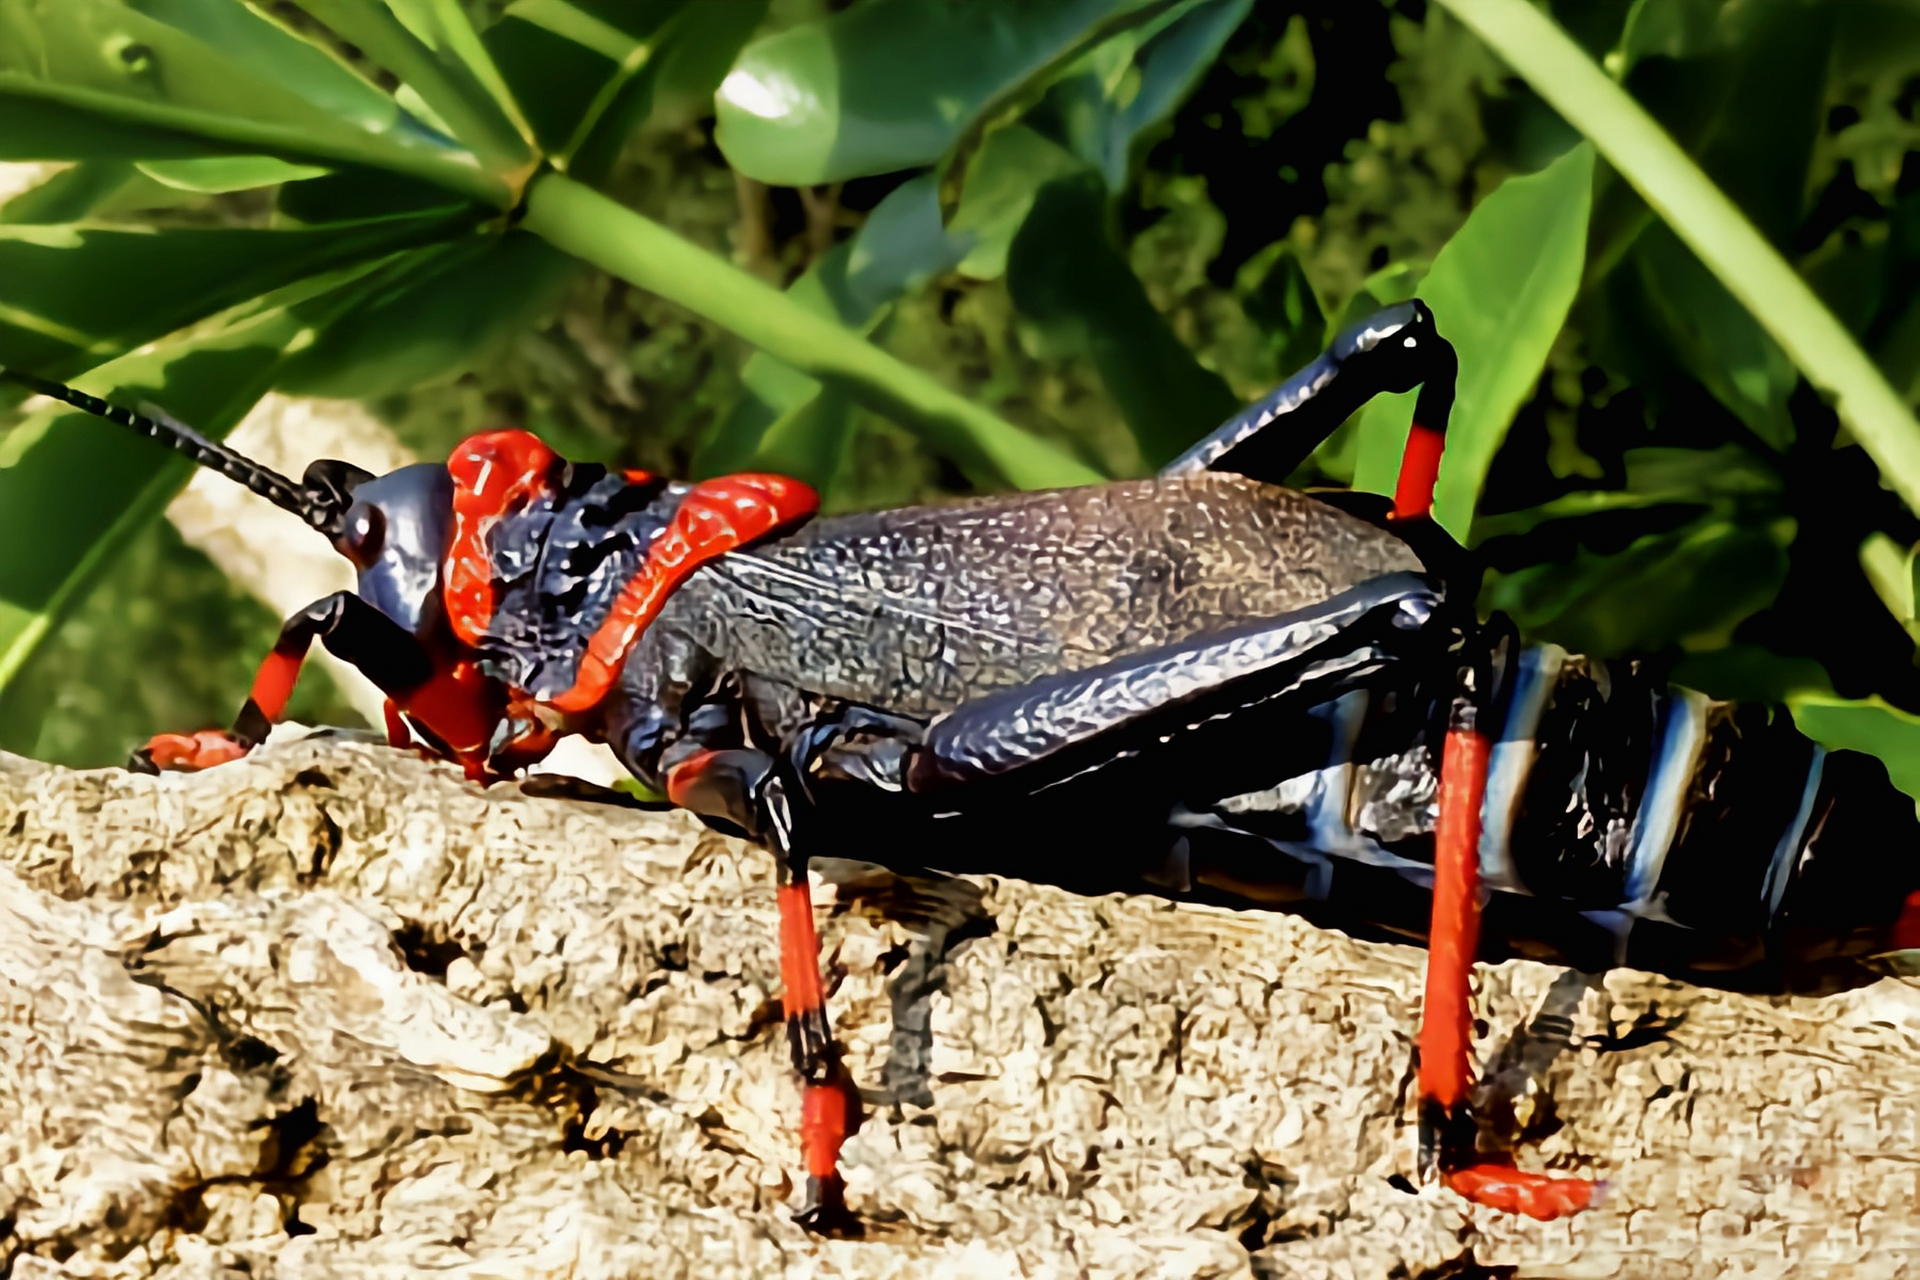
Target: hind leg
[(1449, 1135)]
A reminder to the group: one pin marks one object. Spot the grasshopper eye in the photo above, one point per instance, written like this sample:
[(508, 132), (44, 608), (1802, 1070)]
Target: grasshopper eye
[(365, 534)]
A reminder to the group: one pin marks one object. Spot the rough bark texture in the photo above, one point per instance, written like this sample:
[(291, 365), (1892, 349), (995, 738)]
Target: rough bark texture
[(333, 1011)]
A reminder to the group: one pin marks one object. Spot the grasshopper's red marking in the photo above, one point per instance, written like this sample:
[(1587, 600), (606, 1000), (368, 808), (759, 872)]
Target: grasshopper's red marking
[(1446, 1027), (823, 1127), (1419, 472), (827, 1105), (799, 952), (190, 752), (1906, 930), (398, 735), (715, 517), (492, 473), (273, 682), (683, 777), (1535, 1195), (459, 706)]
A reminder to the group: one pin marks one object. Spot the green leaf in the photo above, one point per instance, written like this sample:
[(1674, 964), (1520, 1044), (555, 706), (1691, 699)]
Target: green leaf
[(444, 313), (557, 57), (678, 70), (1064, 274), (589, 72), (1869, 725), (71, 296), (1689, 587), (253, 40), (640, 251), (787, 422), (1710, 224), (1135, 79), (90, 189), (1276, 295), (1664, 312), (1895, 574), (1120, 80), (75, 488), (433, 49), (216, 174), (1655, 478), (893, 84), (1670, 29), (1500, 291), (90, 79), (1003, 179)]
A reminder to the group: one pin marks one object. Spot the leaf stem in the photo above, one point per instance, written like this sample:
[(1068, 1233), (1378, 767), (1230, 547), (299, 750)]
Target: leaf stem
[(596, 229), (1710, 224)]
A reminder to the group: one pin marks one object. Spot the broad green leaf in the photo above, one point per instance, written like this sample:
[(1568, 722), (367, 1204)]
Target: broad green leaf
[(892, 84), (459, 304), (1875, 37), (1133, 81), (1500, 291), (1761, 150), (352, 195), (1870, 725), (678, 70), (1743, 672), (1002, 181), (808, 442), (1669, 29), (73, 295), (1098, 97), (1689, 318), (587, 224), (90, 189), (216, 174), (557, 57), (75, 488), (262, 45), (91, 79), (588, 72), (1710, 224), (1064, 274), (1689, 587), (433, 49)]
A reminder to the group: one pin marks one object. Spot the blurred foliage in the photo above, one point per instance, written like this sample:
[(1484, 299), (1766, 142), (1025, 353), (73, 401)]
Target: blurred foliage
[(1130, 216), (164, 642)]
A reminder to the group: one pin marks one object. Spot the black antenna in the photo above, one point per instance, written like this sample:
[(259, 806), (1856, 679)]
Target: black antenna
[(322, 510)]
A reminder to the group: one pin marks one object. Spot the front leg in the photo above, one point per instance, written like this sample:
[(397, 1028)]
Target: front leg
[(387, 653)]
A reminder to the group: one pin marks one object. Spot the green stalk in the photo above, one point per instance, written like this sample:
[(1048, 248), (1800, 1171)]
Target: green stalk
[(595, 229), (1710, 224)]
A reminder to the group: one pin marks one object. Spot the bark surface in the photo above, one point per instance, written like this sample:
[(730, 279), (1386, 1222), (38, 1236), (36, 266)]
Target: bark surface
[(333, 1011)]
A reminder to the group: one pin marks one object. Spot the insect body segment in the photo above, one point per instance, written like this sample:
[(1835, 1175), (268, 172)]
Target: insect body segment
[(554, 569)]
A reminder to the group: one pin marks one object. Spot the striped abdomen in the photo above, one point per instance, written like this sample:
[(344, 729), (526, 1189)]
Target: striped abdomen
[(1626, 821)]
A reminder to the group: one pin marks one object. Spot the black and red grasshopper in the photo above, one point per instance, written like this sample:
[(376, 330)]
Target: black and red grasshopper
[(1203, 684)]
